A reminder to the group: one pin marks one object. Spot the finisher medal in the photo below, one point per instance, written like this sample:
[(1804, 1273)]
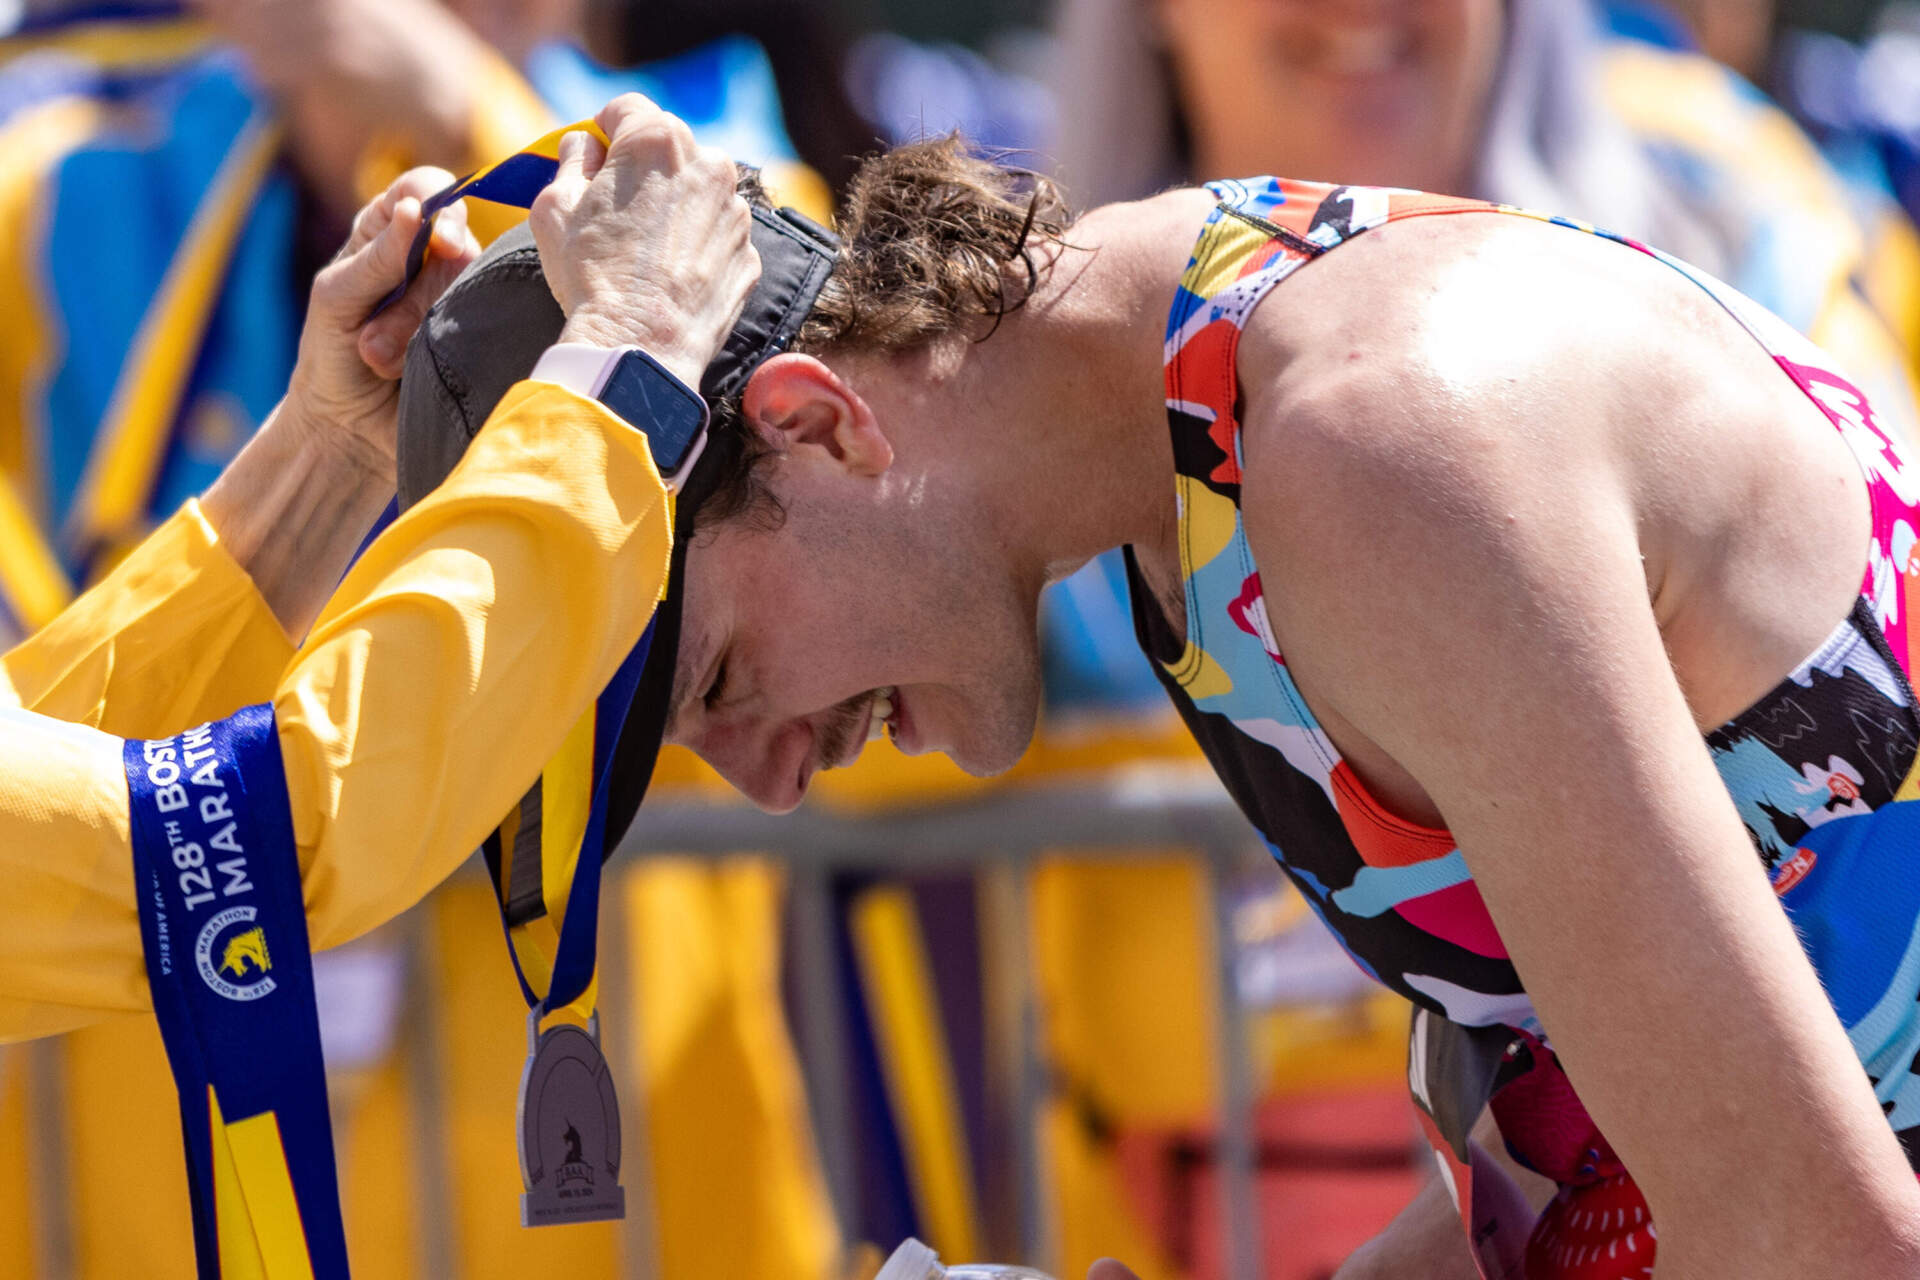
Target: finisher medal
[(544, 856), (569, 1128)]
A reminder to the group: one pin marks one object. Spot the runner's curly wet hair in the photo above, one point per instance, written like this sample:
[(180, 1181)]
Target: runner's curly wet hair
[(937, 240)]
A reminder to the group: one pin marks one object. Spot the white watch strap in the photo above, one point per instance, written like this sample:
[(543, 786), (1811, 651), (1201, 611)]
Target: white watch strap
[(578, 366)]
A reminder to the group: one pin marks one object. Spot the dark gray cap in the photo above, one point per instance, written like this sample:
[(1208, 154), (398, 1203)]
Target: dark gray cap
[(486, 333), (488, 330)]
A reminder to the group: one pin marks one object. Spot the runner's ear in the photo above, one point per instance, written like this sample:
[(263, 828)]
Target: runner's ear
[(795, 400)]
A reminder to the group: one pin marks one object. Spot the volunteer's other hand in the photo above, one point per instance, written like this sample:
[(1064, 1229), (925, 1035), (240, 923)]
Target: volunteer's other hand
[(345, 387), (644, 241)]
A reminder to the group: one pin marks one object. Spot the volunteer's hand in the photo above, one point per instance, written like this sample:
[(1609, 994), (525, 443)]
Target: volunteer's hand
[(644, 241), (295, 505), (344, 388)]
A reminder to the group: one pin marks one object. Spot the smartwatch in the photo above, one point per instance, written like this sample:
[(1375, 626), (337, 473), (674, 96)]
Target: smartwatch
[(640, 392)]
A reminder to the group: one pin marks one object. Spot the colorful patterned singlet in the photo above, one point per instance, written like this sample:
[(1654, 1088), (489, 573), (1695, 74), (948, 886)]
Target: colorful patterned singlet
[(1825, 769)]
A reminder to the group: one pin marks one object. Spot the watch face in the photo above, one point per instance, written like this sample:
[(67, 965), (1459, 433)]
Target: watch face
[(658, 406)]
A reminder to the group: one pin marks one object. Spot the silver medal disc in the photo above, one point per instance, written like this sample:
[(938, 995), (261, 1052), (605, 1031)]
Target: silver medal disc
[(569, 1129)]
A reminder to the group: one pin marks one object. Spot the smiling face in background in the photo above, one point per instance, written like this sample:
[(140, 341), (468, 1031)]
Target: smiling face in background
[(882, 599), (1377, 92)]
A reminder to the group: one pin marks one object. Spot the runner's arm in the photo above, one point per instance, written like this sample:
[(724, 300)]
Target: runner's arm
[(1426, 1239), (1423, 1242), (1465, 589)]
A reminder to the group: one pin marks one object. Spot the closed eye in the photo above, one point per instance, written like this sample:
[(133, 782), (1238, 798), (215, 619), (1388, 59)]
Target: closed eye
[(718, 688)]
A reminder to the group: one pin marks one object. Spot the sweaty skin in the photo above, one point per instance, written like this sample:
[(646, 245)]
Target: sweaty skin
[(1531, 512), (1518, 620)]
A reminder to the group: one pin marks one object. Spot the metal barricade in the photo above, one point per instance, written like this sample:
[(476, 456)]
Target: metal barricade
[(1134, 809)]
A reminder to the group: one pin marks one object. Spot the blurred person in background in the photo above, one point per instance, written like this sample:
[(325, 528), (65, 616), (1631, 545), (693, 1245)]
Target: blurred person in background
[(246, 132), (175, 177), (1528, 102), (804, 48), (1735, 33), (1859, 99)]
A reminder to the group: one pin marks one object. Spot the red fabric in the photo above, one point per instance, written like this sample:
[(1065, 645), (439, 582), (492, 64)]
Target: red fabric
[(1599, 1231), (1547, 1126), (1597, 1226), (1335, 1167)]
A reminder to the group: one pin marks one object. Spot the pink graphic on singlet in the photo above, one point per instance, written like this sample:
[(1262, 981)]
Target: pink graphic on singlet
[(1458, 915), (1894, 492)]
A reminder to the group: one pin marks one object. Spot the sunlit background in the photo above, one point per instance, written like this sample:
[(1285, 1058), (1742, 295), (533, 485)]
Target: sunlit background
[(1070, 1012)]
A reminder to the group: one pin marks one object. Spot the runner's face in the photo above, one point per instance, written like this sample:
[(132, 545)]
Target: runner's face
[(870, 583), (1383, 92)]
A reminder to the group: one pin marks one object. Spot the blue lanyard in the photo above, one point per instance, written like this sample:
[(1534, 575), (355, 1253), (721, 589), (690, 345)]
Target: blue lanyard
[(576, 954)]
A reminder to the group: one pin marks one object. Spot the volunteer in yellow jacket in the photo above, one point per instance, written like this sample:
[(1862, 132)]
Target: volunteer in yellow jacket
[(443, 673)]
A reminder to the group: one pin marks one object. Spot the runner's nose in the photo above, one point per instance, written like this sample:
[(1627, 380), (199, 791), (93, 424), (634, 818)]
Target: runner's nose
[(769, 765)]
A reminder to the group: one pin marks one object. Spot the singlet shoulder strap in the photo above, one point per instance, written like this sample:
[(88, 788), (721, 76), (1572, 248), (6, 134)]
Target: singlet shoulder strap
[(1240, 255), (1259, 232)]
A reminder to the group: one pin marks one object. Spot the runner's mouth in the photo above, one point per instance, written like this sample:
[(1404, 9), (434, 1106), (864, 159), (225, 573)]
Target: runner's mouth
[(865, 719), (880, 714)]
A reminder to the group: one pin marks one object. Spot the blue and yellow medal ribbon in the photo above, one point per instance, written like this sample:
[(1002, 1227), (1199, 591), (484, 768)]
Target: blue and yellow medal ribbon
[(224, 930), (559, 831), (512, 184)]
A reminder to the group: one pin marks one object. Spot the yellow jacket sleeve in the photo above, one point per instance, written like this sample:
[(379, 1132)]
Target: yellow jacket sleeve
[(175, 635), (444, 675)]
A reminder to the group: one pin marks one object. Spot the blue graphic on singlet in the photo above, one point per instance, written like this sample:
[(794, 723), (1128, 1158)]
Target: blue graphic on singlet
[(1855, 911)]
